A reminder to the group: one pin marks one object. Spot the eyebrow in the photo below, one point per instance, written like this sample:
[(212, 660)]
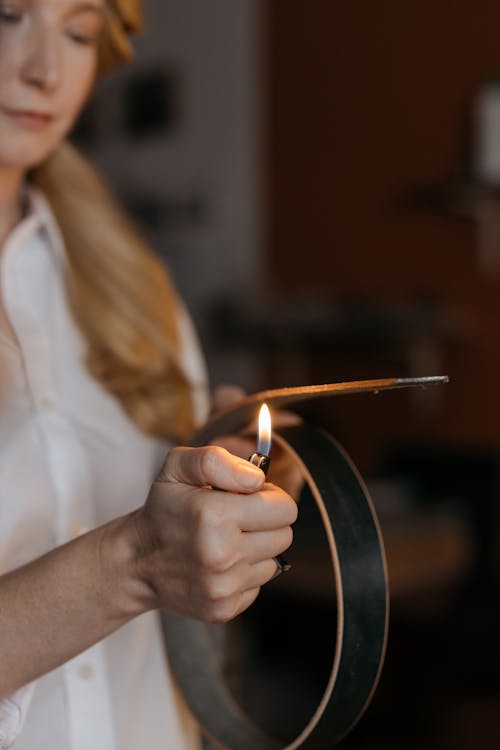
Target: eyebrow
[(86, 7)]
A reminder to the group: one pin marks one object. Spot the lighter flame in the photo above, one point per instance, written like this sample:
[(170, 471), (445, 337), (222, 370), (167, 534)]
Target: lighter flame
[(264, 445)]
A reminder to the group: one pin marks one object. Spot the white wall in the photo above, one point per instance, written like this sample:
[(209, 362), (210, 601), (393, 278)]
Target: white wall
[(213, 48)]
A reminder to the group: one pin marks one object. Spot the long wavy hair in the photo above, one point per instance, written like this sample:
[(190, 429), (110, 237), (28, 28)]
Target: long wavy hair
[(119, 293)]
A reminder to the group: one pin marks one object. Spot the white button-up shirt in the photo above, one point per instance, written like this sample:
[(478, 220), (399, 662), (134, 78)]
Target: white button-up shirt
[(70, 460)]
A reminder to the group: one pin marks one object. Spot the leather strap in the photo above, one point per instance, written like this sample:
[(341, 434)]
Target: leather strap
[(358, 566)]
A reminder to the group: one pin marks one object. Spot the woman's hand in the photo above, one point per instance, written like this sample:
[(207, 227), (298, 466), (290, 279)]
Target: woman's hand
[(191, 549), (202, 552), (284, 471)]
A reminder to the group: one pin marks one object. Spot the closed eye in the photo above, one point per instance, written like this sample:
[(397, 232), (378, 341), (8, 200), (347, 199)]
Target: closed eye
[(83, 38), (85, 25), (10, 16)]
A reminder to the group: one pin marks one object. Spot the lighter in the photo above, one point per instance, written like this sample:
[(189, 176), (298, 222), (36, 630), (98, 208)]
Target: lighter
[(261, 459)]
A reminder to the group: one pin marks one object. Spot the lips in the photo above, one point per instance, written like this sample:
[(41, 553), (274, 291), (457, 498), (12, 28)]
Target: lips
[(28, 117)]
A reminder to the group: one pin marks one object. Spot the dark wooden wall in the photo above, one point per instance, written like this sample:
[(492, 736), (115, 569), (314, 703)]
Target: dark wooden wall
[(365, 102)]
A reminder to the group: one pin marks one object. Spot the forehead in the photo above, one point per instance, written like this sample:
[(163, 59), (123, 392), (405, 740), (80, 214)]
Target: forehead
[(69, 6)]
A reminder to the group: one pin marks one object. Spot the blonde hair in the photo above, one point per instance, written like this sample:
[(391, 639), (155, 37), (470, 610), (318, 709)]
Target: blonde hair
[(122, 19), (119, 293)]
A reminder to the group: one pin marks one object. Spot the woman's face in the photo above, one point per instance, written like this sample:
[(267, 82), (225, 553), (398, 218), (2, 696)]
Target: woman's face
[(48, 59)]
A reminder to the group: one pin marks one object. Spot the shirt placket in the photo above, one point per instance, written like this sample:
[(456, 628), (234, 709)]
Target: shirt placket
[(27, 282)]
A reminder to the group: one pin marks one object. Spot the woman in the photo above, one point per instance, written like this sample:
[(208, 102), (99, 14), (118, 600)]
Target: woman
[(97, 368)]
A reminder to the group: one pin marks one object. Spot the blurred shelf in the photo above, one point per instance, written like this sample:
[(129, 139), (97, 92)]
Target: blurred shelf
[(458, 198)]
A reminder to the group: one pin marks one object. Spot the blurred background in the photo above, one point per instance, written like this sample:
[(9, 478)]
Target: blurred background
[(323, 180)]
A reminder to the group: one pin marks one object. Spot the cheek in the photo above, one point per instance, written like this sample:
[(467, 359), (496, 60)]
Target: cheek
[(78, 82), (8, 67)]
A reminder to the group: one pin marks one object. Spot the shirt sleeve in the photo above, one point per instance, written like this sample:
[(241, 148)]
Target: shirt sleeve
[(13, 713)]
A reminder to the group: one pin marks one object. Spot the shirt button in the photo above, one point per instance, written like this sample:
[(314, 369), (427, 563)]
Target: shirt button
[(85, 672), (46, 403)]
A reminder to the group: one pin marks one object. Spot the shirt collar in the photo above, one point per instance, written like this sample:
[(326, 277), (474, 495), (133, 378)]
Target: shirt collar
[(39, 217)]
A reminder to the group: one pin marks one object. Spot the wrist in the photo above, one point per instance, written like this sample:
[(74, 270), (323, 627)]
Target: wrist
[(121, 553)]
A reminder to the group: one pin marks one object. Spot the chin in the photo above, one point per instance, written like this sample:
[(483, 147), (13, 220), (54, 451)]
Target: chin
[(23, 158), (22, 148)]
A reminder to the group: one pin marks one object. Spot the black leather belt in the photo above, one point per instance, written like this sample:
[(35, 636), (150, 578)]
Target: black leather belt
[(361, 592)]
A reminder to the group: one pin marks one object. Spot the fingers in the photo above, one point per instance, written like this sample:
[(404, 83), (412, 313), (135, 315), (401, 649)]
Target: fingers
[(228, 609), (240, 578), (266, 510), (226, 396), (228, 529), (237, 444), (230, 593), (245, 601), (213, 466), (203, 552), (262, 545)]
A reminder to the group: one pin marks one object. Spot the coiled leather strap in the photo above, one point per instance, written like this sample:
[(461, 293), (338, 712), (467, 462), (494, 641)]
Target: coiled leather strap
[(359, 570)]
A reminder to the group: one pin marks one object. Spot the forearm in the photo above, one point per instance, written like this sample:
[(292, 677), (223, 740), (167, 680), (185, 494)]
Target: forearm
[(62, 603), (195, 551)]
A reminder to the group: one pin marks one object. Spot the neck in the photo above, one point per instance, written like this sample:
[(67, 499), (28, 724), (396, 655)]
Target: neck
[(10, 201)]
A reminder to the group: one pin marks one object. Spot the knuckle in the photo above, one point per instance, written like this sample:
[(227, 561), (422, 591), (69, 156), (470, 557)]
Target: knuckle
[(173, 454), (217, 589), (223, 611), (196, 509), (209, 458), (175, 464), (213, 557), (288, 537), (208, 512), (166, 470), (294, 511), (219, 560), (289, 507)]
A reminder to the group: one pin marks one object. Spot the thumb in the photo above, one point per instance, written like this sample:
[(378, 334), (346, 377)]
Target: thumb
[(213, 466)]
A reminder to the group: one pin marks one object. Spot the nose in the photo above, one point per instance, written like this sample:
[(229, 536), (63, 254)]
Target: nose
[(42, 65)]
